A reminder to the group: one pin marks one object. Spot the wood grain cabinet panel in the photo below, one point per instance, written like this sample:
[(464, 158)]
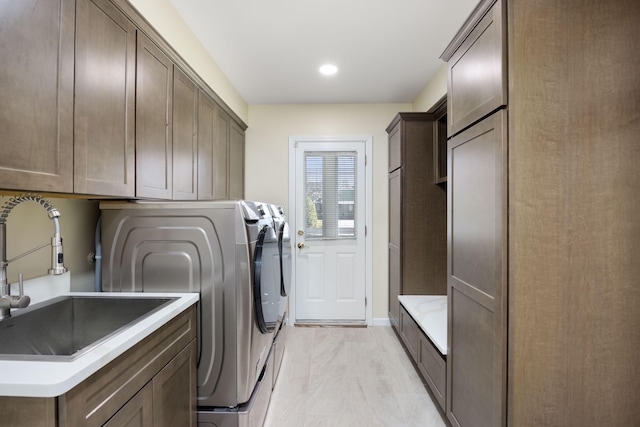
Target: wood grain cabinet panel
[(28, 411), (417, 212), (213, 147), (395, 285), (395, 148), (154, 135), (221, 154), (104, 126), (395, 230), (97, 399), (36, 82), (236, 162), (433, 368), (472, 381), (440, 145), (91, 89), (427, 359), (477, 83), (137, 412), (409, 333), (185, 137), (178, 378), (207, 112), (476, 361)]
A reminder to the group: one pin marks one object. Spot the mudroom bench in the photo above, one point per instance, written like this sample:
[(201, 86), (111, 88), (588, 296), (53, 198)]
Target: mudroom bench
[(423, 330)]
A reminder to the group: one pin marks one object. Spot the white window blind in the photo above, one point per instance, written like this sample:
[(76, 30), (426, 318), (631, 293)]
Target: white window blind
[(330, 190)]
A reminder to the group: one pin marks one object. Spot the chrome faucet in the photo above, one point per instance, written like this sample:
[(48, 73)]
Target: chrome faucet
[(8, 301)]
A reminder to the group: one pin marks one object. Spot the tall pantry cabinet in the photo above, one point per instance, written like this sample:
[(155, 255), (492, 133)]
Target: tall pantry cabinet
[(417, 212), (544, 302)]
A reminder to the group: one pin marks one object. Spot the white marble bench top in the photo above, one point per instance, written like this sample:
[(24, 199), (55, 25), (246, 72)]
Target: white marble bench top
[(430, 313)]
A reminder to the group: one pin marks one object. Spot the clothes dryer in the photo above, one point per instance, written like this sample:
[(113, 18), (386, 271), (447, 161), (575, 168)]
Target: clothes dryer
[(284, 266), (217, 249)]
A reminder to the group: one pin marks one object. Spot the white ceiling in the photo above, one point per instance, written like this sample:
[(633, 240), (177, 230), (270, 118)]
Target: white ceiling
[(386, 50)]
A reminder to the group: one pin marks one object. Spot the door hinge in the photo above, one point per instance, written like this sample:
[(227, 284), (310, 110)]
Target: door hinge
[(365, 301), (365, 231), (365, 160)]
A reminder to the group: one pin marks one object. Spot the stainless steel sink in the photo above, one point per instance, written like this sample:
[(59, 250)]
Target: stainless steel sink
[(66, 327)]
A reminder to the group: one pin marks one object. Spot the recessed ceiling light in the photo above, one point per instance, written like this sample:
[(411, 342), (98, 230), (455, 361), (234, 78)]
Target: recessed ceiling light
[(328, 69)]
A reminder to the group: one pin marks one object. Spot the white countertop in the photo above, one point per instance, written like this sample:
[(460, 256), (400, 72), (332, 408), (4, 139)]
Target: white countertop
[(53, 378), (430, 313)]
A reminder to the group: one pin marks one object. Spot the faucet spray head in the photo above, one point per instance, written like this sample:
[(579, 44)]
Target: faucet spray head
[(57, 256)]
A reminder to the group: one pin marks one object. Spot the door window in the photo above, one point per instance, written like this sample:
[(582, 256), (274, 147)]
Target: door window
[(330, 183)]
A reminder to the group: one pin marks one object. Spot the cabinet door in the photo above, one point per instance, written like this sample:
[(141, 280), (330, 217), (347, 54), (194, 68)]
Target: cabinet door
[(36, 82), (433, 368), (477, 83), (395, 229), (206, 140), (154, 83), (409, 332), (395, 147), (185, 137), (138, 412), (440, 149), (221, 155), (213, 141), (476, 361), (174, 391), (236, 162), (104, 129), (28, 411)]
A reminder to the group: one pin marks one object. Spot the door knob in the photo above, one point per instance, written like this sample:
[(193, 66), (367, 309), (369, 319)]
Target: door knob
[(300, 245)]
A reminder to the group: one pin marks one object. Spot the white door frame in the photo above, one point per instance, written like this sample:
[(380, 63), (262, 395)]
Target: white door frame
[(368, 143)]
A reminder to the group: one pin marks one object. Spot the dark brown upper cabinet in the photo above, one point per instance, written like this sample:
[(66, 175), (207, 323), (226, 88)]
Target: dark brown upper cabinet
[(104, 127), (154, 135), (97, 103), (477, 83), (235, 167), (36, 82), (185, 137)]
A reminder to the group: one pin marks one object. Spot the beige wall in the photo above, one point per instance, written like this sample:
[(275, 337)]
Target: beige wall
[(165, 19), (267, 151), (435, 89)]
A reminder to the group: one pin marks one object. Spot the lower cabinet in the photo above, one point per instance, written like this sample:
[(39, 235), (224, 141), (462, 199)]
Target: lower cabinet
[(431, 364), (433, 368), (137, 412), (409, 332), (151, 384)]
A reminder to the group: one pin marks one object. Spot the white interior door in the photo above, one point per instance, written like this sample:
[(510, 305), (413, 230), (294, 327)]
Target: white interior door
[(329, 232)]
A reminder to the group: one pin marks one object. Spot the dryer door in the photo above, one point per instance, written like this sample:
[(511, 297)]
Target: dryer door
[(266, 283), (284, 249)]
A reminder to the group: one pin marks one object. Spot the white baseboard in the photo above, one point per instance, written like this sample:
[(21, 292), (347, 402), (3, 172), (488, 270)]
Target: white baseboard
[(381, 321)]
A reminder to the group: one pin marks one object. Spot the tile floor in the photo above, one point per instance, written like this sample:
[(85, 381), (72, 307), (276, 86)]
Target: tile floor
[(349, 377)]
